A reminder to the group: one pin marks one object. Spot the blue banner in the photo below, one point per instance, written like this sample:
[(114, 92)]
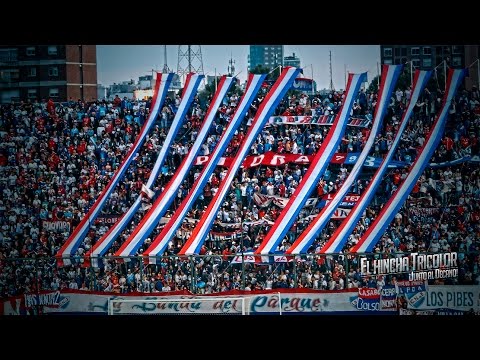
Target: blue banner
[(371, 161), (368, 299), (388, 298), (303, 84), (412, 292), (344, 204)]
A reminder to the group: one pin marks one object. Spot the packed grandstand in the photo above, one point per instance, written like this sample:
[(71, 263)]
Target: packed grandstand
[(252, 190)]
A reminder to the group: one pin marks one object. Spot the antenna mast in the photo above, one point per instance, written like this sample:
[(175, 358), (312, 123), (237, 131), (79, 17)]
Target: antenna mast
[(331, 78), (165, 69), (189, 60)]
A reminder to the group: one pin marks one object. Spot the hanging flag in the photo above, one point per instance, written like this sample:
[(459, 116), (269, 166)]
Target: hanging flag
[(147, 192), (161, 241), (74, 241), (104, 243), (315, 171), (390, 76), (386, 215), (267, 106), (162, 203), (340, 236)]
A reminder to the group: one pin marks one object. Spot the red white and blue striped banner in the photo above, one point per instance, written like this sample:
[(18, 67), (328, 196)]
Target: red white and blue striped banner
[(315, 170), (386, 215), (339, 237), (162, 203), (104, 243), (390, 74), (276, 93), (161, 241), (73, 242)]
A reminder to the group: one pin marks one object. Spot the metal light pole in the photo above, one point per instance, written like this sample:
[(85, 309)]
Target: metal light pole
[(445, 73), (313, 92), (215, 78), (478, 73), (411, 73), (311, 69), (378, 75)]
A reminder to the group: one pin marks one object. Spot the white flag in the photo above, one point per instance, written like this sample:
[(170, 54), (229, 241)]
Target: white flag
[(147, 191)]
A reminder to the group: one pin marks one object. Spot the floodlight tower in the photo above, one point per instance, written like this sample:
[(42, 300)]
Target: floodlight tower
[(331, 78), (165, 69), (189, 60)]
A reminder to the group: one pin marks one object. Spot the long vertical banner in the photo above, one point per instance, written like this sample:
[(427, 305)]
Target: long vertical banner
[(276, 93), (386, 215), (339, 237), (104, 243), (160, 242), (161, 205), (390, 74), (315, 170), (73, 242)]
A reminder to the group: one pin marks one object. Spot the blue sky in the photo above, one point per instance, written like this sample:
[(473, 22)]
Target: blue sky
[(116, 63)]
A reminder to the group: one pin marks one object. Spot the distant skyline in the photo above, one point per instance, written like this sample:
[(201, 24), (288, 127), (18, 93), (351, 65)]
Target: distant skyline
[(117, 63)]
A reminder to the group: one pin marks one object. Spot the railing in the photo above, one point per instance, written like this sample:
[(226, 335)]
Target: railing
[(212, 273)]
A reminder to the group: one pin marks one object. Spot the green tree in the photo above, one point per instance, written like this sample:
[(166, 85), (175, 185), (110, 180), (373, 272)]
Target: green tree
[(236, 88), (275, 74), (272, 75), (260, 69), (208, 90), (437, 81), (404, 80), (373, 86)]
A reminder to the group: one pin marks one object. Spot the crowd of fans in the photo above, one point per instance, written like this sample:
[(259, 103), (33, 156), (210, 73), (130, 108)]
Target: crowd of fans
[(56, 158)]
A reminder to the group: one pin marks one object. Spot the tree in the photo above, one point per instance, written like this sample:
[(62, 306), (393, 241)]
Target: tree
[(208, 90), (404, 80), (272, 75), (260, 69), (373, 87), (436, 82), (236, 88)]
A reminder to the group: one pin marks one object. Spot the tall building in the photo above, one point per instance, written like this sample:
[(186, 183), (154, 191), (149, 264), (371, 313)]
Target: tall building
[(291, 61), (59, 72), (427, 57), (269, 56), (472, 54), (145, 82)]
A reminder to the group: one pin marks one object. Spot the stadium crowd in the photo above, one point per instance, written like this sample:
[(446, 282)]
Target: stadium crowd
[(56, 158)]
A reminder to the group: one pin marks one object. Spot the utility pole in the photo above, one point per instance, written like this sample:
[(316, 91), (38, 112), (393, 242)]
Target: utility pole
[(478, 74), (215, 78), (378, 75), (165, 69), (445, 73), (313, 81), (478, 71), (231, 66), (189, 60), (411, 72), (331, 79)]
